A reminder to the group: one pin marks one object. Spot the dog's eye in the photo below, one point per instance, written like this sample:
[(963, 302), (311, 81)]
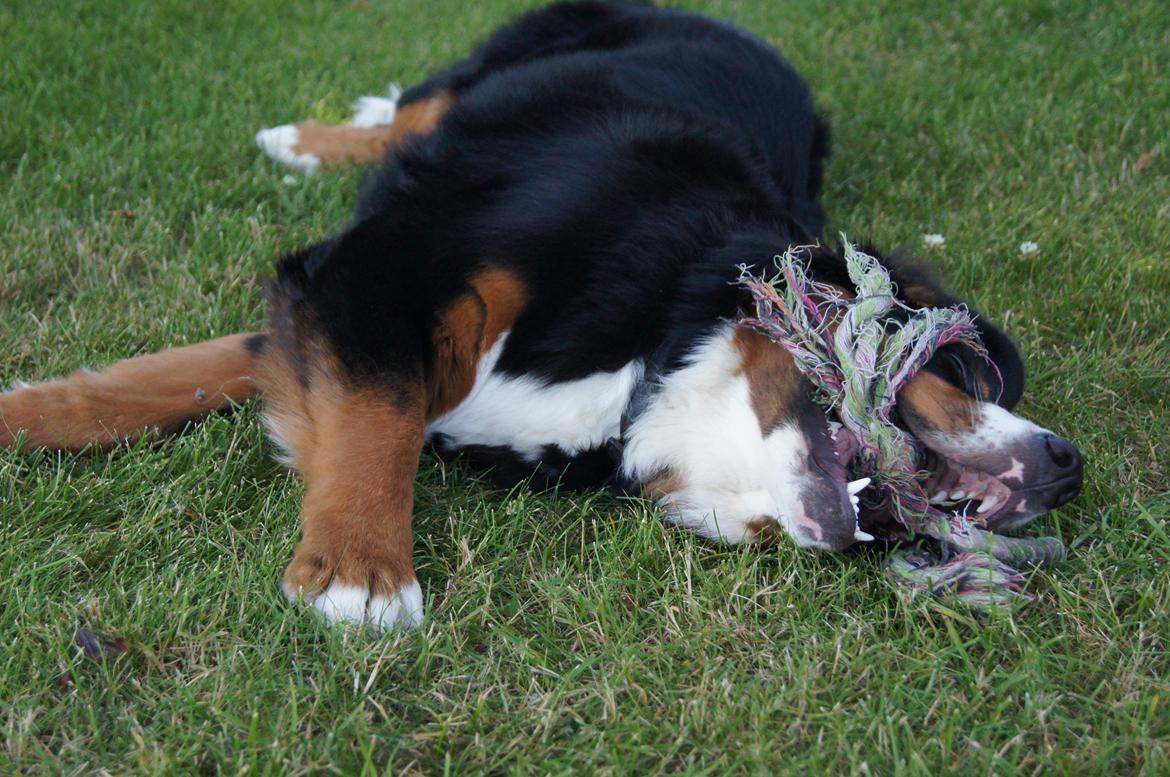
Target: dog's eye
[(950, 365), (965, 377)]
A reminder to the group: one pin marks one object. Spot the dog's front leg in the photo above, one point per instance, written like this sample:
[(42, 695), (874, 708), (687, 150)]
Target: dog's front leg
[(354, 560)]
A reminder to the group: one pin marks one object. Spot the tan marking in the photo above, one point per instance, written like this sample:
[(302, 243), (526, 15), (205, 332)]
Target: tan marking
[(505, 294), (764, 530), (288, 403), (661, 487), (921, 296), (773, 377), (422, 116), (467, 329), (938, 405), (456, 342), (149, 395), (337, 145), (986, 390)]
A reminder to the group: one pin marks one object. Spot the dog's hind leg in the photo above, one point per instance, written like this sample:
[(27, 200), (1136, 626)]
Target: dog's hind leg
[(149, 395), (379, 126)]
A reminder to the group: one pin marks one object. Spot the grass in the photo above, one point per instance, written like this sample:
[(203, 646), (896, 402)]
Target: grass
[(571, 634)]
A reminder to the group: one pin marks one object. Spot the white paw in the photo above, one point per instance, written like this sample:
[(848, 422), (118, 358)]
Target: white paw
[(16, 384), (279, 144), (402, 610), (376, 111), (341, 603)]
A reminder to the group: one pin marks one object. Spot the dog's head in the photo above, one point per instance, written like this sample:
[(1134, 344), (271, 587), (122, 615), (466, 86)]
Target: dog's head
[(999, 468)]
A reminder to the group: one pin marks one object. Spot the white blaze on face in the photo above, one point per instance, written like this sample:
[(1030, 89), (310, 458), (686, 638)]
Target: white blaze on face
[(996, 431)]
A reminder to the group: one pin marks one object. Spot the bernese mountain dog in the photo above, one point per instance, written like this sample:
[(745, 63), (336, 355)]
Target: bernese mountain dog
[(541, 275)]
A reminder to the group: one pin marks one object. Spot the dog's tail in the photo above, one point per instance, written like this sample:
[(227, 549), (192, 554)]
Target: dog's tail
[(150, 395)]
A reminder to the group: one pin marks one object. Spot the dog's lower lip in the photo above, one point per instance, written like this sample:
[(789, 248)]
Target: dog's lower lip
[(1048, 485)]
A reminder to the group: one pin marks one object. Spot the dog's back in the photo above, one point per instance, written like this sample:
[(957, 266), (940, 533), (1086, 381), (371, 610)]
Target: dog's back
[(599, 59)]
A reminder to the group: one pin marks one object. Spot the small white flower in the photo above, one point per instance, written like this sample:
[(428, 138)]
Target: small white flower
[(1027, 248), (289, 180), (934, 241)]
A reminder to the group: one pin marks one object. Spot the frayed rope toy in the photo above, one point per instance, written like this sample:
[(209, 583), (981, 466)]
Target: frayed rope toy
[(857, 370)]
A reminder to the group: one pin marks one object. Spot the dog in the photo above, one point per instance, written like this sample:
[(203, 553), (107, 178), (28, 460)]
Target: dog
[(540, 277)]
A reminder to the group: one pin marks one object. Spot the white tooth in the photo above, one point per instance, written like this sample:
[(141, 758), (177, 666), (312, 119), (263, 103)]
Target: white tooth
[(856, 486), (939, 498), (861, 536), (834, 427), (988, 504), (956, 495)]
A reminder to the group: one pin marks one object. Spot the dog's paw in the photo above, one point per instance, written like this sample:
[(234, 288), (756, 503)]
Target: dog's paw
[(280, 143), (20, 411), (341, 603), (376, 111), (355, 591)]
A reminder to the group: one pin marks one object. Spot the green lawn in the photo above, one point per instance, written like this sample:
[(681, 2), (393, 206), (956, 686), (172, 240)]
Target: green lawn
[(573, 634)]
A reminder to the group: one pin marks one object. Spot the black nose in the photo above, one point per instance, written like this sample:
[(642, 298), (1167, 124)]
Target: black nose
[(1066, 495), (1069, 468), (1064, 454)]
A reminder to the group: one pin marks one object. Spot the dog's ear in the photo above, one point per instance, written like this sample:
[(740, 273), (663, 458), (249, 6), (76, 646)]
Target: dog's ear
[(1004, 384)]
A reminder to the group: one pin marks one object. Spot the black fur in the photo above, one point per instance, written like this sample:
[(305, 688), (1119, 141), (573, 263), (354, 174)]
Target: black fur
[(624, 160)]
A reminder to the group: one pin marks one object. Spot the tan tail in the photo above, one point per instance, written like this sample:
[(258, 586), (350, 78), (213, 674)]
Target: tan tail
[(149, 395)]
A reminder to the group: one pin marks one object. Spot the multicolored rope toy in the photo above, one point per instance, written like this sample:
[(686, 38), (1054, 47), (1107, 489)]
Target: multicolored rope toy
[(857, 357)]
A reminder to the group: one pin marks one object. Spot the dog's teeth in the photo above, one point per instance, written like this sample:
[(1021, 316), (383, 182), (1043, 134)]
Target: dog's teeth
[(988, 504), (861, 536), (856, 486), (957, 495), (834, 427), (978, 490), (939, 498)]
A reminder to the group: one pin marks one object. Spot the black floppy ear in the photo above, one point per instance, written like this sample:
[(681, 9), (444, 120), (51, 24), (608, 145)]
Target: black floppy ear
[(918, 287)]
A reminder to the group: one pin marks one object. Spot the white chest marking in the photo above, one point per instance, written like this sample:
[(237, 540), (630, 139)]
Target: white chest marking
[(526, 414)]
